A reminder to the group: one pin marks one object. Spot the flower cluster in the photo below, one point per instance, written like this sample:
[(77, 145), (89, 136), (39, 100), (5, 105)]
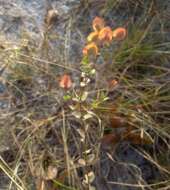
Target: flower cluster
[(101, 35)]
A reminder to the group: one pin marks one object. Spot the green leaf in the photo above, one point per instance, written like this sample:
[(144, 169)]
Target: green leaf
[(67, 97), (84, 96), (85, 60)]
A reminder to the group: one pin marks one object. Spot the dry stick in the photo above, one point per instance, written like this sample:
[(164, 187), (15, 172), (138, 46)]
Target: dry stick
[(49, 62), (10, 175), (149, 158), (66, 147), (136, 185)]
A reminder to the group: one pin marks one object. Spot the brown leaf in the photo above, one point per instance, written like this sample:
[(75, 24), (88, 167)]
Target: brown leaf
[(135, 138), (62, 176), (118, 122), (40, 184), (51, 172), (110, 139), (112, 84)]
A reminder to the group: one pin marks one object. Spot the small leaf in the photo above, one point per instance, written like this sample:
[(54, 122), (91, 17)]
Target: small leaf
[(76, 99), (90, 158), (82, 162), (106, 98), (87, 151), (89, 178), (85, 60), (92, 187), (84, 96), (51, 172), (87, 116), (83, 74), (72, 107), (66, 97), (93, 71), (83, 84), (81, 133), (76, 114)]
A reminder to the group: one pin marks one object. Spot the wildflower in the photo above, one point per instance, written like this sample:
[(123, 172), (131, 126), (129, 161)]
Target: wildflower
[(98, 23), (93, 36), (113, 83), (65, 81), (119, 33), (90, 48), (106, 35)]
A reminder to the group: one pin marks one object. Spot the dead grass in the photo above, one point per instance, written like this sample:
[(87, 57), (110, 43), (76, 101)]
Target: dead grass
[(42, 131)]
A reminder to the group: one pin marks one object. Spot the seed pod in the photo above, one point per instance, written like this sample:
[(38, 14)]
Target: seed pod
[(50, 17)]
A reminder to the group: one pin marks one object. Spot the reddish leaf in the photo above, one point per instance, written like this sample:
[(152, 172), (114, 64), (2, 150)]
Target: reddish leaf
[(119, 33), (135, 138), (90, 48), (110, 139), (106, 35), (65, 81), (112, 84), (98, 23), (93, 36), (118, 122)]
